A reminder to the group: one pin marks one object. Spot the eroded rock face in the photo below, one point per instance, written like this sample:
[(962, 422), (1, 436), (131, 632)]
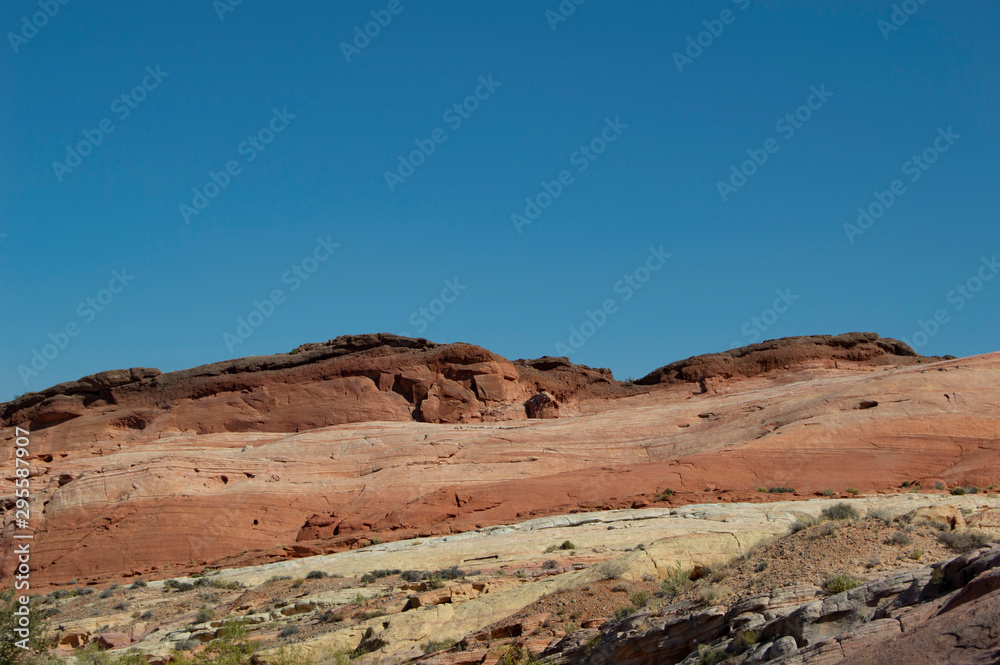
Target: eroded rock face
[(360, 378), (783, 355)]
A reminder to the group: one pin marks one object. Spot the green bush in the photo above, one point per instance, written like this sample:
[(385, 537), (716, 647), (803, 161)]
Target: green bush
[(744, 640), (827, 492), (139, 584), (958, 491), (640, 598), (677, 581), (781, 490), (851, 490), (939, 485), (204, 614), (840, 511), (710, 656), (567, 545), (315, 575), (550, 564), (840, 582), (623, 612), (11, 652)]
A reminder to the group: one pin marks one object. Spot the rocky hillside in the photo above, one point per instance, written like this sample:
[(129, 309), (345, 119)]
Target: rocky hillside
[(132, 468), (799, 583)]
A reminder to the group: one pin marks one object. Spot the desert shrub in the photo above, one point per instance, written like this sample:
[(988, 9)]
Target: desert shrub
[(278, 578), (851, 490), (827, 492), (434, 582), (958, 491), (823, 530), (147, 615), (371, 614), (744, 640), (666, 494), (916, 554), (121, 607), (389, 572), (711, 656), (623, 612), (297, 582), (781, 490), (289, 630), (640, 598), (331, 617), (85, 591), (518, 655), (432, 646), (939, 485), (761, 566), (231, 647), (762, 489), (204, 614), (367, 578), (412, 575), (180, 586), (139, 584), (451, 573), (898, 538), (107, 593), (231, 585), (550, 564), (713, 595), (963, 541), (882, 514), (567, 545), (840, 582), (10, 652), (521, 574), (315, 575), (801, 523), (840, 511), (677, 581)]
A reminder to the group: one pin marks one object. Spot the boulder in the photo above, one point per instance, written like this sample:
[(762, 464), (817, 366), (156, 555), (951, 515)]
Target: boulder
[(947, 517)]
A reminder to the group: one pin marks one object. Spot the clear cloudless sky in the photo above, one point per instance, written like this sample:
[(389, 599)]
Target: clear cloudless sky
[(681, 130)]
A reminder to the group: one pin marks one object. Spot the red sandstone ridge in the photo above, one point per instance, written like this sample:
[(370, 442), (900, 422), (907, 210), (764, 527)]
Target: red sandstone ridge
[(360, 378), (786, 355), (326, 448)]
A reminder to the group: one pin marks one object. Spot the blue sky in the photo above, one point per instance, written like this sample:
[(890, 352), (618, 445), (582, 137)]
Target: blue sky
[(610, 121)]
